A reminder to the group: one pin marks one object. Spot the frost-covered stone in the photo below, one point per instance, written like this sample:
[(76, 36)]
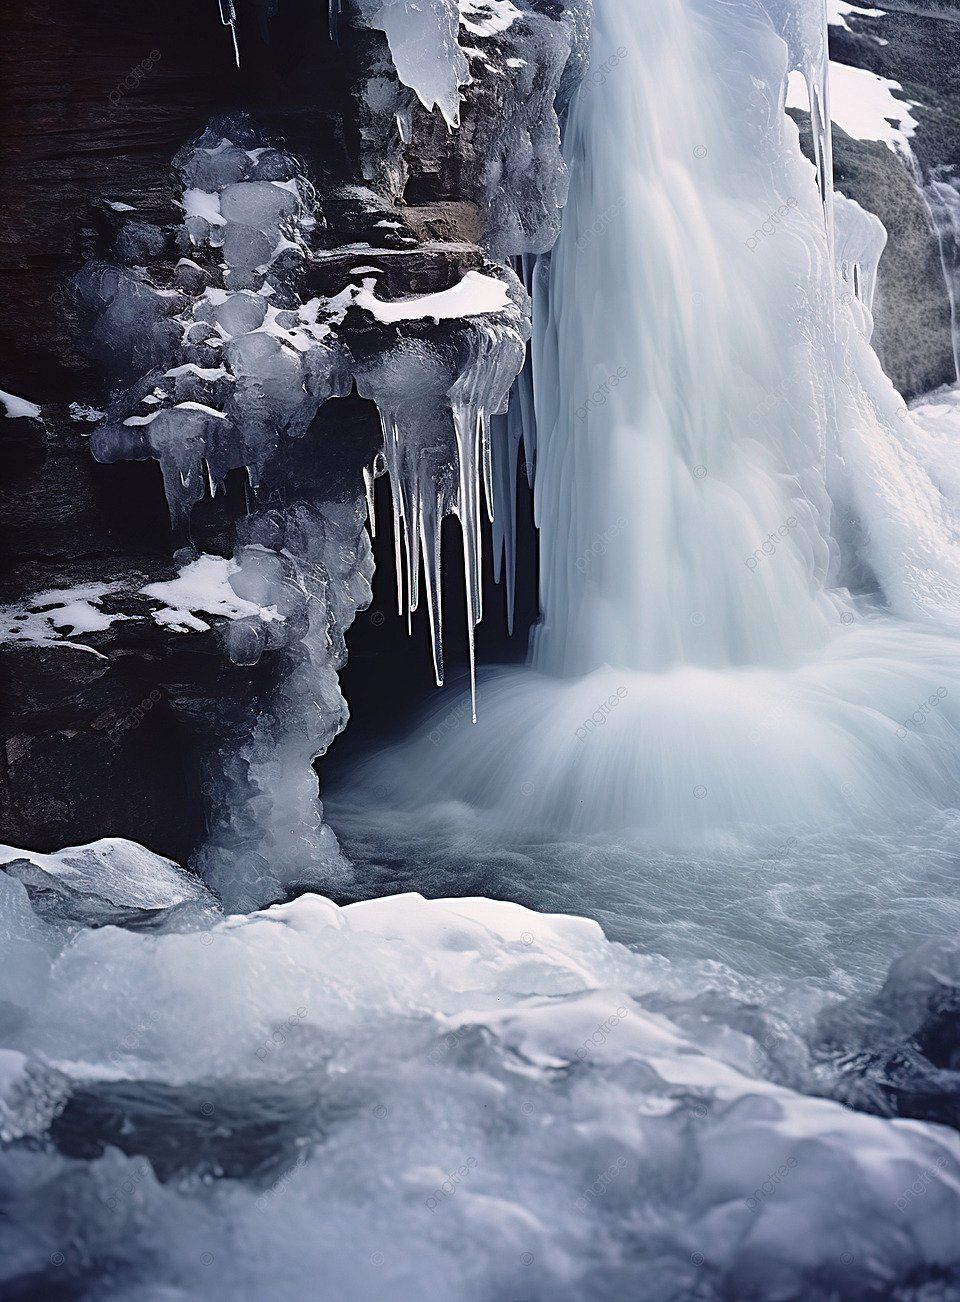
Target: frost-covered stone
[(111, 882), (524, 62)]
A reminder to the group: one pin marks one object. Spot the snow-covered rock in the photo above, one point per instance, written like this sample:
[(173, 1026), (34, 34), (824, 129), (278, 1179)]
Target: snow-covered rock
[(111, 882)]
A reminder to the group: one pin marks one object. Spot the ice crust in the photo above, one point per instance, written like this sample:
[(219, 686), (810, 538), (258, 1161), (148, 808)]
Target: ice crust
[(490, 1099)]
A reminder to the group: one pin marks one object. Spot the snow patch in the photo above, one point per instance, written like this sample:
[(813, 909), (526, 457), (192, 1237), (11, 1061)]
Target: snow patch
[(862, 104), (475, 295), (15, 408), (203, 585)]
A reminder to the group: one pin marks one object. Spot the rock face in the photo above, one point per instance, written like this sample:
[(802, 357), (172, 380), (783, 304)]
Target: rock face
[(911, 311), (919, 48), (211, 351)]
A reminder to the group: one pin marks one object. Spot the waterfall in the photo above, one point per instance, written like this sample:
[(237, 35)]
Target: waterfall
[(668, 313), (750, 577), (943, 198)]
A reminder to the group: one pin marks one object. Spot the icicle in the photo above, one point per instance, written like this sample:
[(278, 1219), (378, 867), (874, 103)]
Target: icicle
[(431, 519), (411, 516), (404, 118), (369, 486), (468, 426), (398, 546), (228, 16), (524, 383), (487, 465), (210, 483), (818, 89), (333, 20), (506, 434)]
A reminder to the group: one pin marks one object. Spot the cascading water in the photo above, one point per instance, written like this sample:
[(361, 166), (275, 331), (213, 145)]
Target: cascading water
[(720, 459), (943, 198)]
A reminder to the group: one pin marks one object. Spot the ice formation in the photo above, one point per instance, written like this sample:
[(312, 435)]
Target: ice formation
[(222, 368), (112, 882), (422, 35), (859, 241), (395, 1075), (505, 80)]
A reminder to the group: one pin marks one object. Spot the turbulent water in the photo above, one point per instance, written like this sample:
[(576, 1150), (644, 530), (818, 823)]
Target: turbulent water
[(735, 748)]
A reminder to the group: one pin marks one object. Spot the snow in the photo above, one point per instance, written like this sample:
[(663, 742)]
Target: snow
[(201, 372), (476, 294), (48, 617), (120, 207), (16, 408), (862, 104), (201, 203), (202, 585), (199, 406), (838, 11), (487, 17)]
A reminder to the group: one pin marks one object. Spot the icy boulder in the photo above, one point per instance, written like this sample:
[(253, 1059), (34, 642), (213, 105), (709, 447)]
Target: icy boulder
[(312, 565), (111, 882), (228, 370)]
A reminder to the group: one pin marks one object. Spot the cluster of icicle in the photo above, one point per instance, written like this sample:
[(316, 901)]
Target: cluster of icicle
[(507, 70), (233, 361)]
